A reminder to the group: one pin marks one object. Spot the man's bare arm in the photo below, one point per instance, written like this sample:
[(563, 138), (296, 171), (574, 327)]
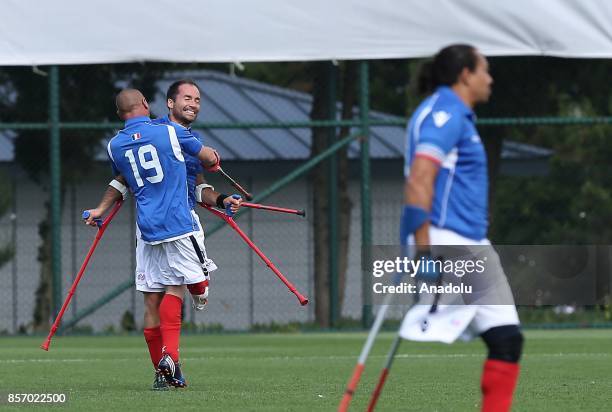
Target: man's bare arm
[(418, 191), (110, 196), (209, 158)]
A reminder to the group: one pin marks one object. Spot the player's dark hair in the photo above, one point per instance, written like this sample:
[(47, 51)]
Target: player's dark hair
[(446, 66), (174, 87)]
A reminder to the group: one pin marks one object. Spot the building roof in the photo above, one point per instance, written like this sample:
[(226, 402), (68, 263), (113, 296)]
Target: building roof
[(231, 99), (228, 99)]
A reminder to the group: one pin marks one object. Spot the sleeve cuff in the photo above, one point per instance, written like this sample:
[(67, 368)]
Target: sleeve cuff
[(431, 152)]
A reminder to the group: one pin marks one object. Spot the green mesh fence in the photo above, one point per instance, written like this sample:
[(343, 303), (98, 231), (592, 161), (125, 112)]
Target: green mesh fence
[(53, 131)]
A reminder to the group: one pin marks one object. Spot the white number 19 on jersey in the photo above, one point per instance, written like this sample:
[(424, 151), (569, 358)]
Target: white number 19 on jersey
[(146, 164)]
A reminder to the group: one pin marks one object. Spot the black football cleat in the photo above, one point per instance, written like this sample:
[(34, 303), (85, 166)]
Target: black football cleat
[(172, 372)]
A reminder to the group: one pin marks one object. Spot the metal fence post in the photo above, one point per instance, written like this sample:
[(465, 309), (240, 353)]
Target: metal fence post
[(55, 173), (14, 277), (332, 86), (366, 213), (251, 234), (73, 244)]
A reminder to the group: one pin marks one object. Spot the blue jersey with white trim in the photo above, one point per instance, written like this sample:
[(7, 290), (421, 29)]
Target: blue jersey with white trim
[(150, 158), (442, 129), (192, 163)]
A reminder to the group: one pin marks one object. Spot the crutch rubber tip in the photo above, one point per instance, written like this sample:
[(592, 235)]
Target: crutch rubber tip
[(303, 300), (301, 213), (248, 196)]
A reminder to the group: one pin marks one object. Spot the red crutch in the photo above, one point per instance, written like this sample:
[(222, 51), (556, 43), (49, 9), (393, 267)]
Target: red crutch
[(274, 209), (102, 225), (230, 221)]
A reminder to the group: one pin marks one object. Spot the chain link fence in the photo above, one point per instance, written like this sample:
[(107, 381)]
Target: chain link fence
[(262, 129)]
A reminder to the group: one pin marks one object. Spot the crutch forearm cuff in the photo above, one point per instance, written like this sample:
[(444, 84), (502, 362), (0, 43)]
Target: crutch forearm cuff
[(198, 191), (121, 188)]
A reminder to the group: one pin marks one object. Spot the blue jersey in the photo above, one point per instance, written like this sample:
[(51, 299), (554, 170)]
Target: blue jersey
[(192, 163), (150, 158), (442, 129)]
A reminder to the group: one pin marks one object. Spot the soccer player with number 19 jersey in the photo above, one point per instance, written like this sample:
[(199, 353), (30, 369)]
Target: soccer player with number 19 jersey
[(149, 158)]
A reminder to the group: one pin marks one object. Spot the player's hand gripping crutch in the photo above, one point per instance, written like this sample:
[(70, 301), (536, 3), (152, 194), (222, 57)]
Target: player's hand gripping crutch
[(102, 225), (227, 217)]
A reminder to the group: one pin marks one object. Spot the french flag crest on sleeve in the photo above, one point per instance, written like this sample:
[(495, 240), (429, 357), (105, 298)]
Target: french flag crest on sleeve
[(136, 136)]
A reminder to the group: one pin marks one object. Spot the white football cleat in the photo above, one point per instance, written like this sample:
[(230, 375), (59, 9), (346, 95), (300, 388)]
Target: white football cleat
[(200, 301)]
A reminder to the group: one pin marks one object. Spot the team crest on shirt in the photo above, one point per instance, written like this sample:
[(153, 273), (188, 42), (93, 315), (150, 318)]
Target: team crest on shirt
[(136, 136), (440, 118)]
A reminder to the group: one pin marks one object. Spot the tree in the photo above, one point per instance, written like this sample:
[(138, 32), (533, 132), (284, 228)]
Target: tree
[(320, 141), (345, 205), (573, 203), (322, 138)]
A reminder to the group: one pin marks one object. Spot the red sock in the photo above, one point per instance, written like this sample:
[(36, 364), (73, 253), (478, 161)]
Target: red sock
[(497, 385), (170, 324), (198, 288), (154, 342)]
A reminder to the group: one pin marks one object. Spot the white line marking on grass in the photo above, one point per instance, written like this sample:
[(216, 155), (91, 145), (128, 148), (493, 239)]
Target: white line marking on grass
[(331, 357), (48, 360)]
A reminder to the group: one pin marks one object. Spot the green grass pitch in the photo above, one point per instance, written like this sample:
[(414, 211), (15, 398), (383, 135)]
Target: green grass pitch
[(563, 370)]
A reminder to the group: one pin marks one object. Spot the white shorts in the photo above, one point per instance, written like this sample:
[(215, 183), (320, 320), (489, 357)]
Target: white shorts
[(483, 317), (179, 262)]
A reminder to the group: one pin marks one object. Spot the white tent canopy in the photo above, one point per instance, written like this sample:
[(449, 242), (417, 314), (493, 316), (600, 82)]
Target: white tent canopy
[(111, 31)]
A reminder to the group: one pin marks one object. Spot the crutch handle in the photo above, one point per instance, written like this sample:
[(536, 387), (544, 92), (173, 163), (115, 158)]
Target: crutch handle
[(228, 208), (86, 215)]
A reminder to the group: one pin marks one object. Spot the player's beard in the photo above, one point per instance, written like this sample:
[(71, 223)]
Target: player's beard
[(183, 119)]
